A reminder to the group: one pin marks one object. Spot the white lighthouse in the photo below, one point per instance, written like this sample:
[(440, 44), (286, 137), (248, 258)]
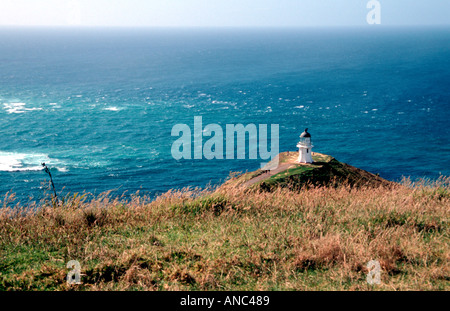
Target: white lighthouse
[(304, 146)]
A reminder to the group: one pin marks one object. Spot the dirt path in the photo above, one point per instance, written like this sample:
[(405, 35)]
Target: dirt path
[(263, 176), (288, 160)]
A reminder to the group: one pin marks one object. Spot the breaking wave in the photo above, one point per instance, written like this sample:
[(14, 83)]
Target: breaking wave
[(16, 162), (18, 108)]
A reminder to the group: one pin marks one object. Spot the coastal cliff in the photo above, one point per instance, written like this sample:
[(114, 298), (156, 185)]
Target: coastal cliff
[(324, 171)]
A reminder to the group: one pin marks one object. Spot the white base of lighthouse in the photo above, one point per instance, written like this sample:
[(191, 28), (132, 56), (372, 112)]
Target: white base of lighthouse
[(305, 154)]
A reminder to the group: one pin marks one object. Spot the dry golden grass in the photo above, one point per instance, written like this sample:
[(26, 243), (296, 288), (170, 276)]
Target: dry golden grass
[(230, 239)]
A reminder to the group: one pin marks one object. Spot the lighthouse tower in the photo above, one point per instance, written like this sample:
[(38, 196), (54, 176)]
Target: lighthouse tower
[(304, 146)]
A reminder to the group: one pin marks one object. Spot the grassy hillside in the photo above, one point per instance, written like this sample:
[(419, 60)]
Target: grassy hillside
[(315, 238), (324, 171)]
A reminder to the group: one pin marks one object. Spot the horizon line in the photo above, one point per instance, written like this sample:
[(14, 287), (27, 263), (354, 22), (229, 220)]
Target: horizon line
[(228, 27)]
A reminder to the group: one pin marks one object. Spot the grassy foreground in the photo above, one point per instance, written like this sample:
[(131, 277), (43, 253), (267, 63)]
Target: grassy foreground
[(230, 239)]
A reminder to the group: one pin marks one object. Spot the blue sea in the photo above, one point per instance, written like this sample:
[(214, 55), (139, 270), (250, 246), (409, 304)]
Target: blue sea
[(98, 105)]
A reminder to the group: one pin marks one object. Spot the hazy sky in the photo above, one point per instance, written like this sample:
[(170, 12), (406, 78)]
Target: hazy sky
[(188, 13)]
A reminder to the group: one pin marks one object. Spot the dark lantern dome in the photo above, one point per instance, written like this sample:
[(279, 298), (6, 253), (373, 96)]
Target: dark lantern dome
[(305, 134)]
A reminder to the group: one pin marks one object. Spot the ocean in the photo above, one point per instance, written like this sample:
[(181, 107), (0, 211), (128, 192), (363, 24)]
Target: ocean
[(97, 105)]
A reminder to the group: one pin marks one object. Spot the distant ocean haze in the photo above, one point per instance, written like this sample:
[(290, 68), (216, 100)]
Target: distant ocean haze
[(98, 106)]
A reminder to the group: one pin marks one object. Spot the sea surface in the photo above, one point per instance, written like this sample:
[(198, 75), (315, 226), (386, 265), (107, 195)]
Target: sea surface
[(98, 105)]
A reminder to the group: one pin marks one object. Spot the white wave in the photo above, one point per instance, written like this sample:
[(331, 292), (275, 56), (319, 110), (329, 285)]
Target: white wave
[(14, 107), (17, 162), (18, 108), (299, 107), (55, 105), (112, 108)]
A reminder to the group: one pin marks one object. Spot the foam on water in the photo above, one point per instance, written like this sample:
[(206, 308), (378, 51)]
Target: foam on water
[(17, 162), (112, 109), (54, 105), (18, 108)]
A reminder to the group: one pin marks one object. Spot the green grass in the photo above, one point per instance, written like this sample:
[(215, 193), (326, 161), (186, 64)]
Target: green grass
[(316, 238), (283, 178), (324, 171)]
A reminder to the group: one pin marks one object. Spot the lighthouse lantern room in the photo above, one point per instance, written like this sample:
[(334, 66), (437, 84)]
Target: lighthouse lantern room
[(305, 147)]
